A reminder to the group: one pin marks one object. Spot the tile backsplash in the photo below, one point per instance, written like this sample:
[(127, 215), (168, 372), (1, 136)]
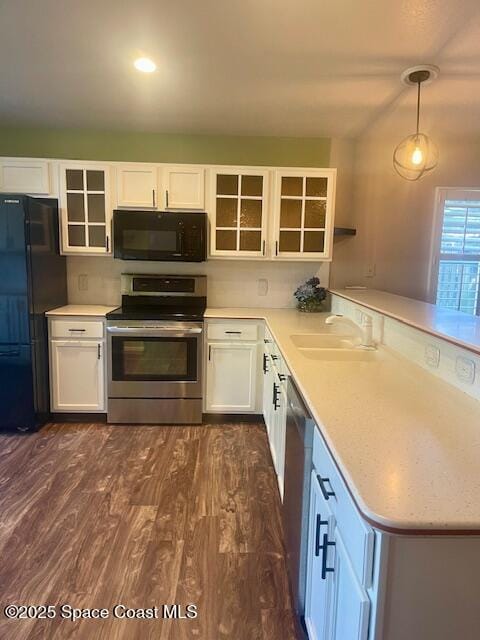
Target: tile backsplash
[(96, 280)]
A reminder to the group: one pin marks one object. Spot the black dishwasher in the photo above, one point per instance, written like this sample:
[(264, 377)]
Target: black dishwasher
[(298, 468)]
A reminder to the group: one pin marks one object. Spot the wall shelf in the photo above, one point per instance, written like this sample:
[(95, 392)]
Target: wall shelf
[(344, 231)]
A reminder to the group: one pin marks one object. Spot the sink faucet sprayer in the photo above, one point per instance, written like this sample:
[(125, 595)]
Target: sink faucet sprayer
[(366, 328)]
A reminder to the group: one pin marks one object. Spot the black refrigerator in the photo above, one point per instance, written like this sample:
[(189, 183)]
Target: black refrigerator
[(33, 280)]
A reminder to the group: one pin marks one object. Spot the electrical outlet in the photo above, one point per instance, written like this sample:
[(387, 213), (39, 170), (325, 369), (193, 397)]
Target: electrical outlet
[(370, 270), (83, 282), (432, 356), (465, 369), (262, 286)]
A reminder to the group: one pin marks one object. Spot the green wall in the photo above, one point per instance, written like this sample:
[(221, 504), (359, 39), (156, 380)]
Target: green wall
[(161, 147)]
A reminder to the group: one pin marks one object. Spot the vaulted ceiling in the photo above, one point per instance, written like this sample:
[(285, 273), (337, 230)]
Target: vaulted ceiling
[(260, 67)]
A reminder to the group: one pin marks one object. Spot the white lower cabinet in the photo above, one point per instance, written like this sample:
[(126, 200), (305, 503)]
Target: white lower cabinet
[(337, 604), (232, 367), (279, 433), (77, 375), (349, 602), (275, 406), (231, 377), (77, 365), (319, 585)]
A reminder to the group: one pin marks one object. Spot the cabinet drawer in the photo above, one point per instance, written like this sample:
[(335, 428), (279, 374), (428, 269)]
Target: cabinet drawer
[(271, 346), (356, 533), (275, 356), (232, 331), (76, 328)]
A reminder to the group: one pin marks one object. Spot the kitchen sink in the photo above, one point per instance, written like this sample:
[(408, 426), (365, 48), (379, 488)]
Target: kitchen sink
[(322, 341), (341, 355)]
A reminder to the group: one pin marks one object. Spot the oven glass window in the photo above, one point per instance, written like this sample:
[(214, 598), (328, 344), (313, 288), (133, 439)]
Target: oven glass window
[(143, 359), (146, 240)]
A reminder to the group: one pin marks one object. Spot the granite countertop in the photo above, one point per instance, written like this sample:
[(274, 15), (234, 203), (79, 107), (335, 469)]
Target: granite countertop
[(458, 328), (81, 310), (406, 442)]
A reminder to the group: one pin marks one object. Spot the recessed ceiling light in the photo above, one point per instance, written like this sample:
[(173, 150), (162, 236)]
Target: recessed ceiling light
[(145, 64)]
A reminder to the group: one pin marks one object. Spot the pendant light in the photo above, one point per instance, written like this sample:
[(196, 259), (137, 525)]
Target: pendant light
[(416, 154)]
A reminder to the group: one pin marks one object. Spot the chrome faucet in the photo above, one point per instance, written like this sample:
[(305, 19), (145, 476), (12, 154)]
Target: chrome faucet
[(366, 328)]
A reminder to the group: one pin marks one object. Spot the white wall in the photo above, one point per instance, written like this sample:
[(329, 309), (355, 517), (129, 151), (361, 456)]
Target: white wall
[(230, 283)]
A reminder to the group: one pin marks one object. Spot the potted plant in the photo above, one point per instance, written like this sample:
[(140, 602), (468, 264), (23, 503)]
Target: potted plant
[(310, 296)]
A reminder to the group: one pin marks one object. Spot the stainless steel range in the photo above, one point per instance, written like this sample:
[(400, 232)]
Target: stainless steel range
[(155, 346)]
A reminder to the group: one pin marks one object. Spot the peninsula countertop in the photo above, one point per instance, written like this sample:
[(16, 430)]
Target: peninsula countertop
[(406, 442), (456, 327)]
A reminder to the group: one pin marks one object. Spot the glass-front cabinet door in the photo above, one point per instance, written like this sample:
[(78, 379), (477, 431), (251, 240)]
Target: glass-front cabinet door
[(86, 211), (304, 212), (238, 212)]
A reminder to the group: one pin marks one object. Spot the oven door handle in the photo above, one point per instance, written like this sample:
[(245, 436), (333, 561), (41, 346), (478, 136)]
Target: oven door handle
[(153, 331)]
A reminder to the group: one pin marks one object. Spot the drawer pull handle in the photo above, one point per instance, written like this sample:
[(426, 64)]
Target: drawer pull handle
[(325, 545), (326, 494), (78, 330), (320, 523), (275, 396), (237, 333), (265, 363), (99, 351)]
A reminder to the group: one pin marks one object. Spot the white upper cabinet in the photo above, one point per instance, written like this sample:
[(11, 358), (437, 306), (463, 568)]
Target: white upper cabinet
[(85, 208), (184, 187), (25, 176), (137, 186), (304, 214), (254, 213), (238, 212)]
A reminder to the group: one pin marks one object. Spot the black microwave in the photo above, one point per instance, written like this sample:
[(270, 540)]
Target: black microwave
[(160, 235)]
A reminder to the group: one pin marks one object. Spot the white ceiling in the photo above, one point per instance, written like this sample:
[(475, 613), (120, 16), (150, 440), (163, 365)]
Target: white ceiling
[(260, 67)]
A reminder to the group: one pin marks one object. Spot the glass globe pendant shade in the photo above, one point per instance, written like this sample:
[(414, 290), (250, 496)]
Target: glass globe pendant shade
[(415, 156)]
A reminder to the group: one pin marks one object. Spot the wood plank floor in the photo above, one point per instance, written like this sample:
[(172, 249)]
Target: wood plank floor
[(93, 515)]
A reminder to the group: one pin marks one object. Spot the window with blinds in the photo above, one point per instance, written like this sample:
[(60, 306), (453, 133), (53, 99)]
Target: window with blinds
[(459, 259)]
